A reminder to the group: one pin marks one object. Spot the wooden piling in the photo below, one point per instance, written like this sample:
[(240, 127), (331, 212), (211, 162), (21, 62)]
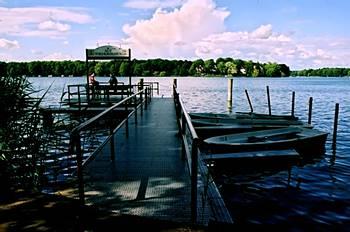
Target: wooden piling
[(250, 104), (310, 111), (293, 103), (268, 99), (335, 127), (229, 94)]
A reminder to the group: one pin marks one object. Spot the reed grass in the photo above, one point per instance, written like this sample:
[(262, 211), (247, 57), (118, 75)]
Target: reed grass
[(21, 136)]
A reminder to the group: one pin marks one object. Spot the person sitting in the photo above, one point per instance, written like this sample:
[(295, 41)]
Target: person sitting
[(92, 80), (113, 81), (93, 83)]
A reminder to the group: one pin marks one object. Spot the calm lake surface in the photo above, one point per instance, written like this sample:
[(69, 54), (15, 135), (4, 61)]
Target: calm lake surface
[(317, 192)]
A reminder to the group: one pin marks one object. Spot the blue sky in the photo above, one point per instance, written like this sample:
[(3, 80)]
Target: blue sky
[(300, 33)]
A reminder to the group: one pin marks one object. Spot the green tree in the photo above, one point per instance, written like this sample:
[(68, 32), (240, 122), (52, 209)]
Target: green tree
[(272, 70), (209, 67), (256, 70), (102, 69), (3, 69), (221, 67), (285, 71), (197, 68), (123, 69), (231, 68), (249, 68)]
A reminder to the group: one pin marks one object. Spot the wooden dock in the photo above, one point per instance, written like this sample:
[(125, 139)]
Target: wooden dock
[(148, 176)]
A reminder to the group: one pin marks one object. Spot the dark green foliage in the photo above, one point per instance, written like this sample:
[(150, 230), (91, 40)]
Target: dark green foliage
[(323, 72), (151, 67), (20, 136)]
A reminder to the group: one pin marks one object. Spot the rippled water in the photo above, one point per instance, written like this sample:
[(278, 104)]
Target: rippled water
[(318, 192)]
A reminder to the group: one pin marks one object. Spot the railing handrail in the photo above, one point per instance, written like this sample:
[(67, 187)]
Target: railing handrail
[(81, 126), (194, 160), (186, 115), (188, 120)]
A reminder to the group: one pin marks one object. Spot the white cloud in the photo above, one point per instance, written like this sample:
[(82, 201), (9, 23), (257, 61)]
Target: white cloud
[(153, 4), (197, 30), (171, 34), (66, 42), (262, 32), (54, 26), (40, 21), (8, 44)]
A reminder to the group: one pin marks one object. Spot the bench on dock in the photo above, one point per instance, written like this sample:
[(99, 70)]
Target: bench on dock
[(106, 90)]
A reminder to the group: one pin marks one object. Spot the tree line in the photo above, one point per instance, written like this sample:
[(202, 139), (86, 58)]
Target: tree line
[(323, 72), (151, 67)]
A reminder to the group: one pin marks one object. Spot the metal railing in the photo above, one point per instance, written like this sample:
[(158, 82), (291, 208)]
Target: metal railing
[(131, 103), (103, 91), (191, 145), (76, 90), (184, 122), (154, 85)]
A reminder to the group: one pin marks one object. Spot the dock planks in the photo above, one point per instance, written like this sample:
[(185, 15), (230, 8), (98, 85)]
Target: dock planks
[(148, 177)]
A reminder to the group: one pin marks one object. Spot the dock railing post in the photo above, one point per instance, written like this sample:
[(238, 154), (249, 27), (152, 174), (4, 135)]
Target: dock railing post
[(293, 103), (194, 180), (140, 84), (229, 94), (268, 99), (79, 98), (135, 108), (127, 119), (150, 93), (310, 111), (183, 124), (76, 148), (182, 132), (335, 127), (146, 98), (141, 102)]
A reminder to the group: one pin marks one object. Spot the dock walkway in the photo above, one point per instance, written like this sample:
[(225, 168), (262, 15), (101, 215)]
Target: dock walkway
[(148, 176)]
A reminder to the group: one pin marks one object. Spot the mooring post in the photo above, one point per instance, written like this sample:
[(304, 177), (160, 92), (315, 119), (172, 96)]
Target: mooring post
[(229, 94), (335, 127), (194, 180), (250, 104), (310, 111), (268, 99), (293, 103)]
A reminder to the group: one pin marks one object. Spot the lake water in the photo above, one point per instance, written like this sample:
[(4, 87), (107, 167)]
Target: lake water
[(318, 193)]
